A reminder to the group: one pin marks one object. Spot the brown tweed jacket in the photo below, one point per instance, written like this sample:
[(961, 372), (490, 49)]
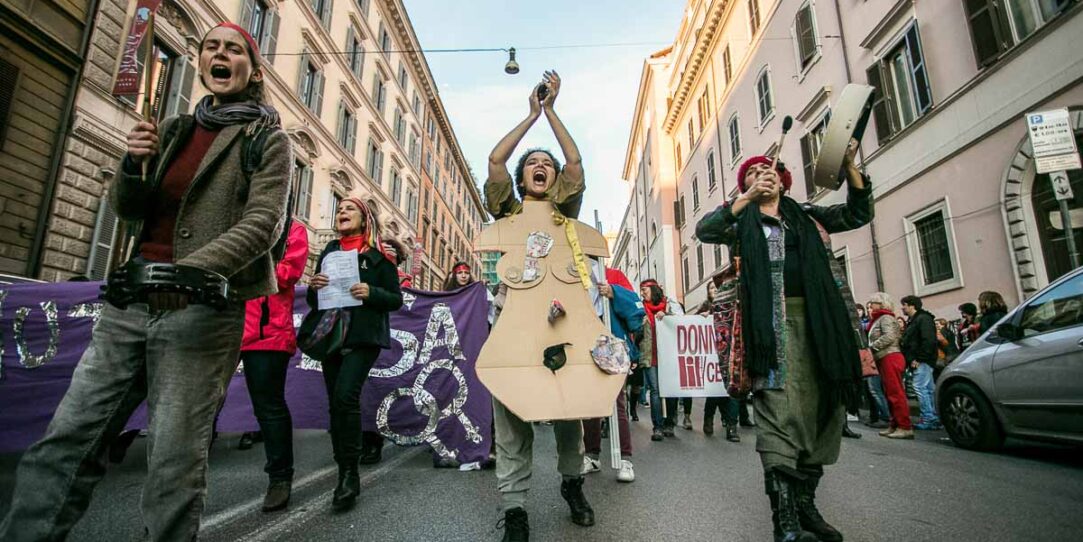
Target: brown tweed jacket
[(227, 223)]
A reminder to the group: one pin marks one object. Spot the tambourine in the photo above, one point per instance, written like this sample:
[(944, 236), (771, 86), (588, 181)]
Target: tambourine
[(134, 281), (849, 118)]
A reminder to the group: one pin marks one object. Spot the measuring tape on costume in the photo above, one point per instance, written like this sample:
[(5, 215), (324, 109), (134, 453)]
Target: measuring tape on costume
[(577, 250)]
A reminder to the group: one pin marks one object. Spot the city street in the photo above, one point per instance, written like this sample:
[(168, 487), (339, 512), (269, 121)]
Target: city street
[(689, 488)]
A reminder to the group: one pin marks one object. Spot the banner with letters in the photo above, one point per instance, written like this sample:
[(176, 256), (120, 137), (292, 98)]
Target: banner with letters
[(688, 363), (422, 390)]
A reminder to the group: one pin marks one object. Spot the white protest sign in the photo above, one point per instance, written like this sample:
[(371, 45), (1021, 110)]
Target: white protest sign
[(688, 363), (342, 273)]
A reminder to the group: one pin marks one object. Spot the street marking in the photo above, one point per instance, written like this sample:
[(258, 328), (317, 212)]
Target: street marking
[(222, 519)]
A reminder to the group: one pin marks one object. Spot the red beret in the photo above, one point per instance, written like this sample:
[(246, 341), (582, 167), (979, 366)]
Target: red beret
[(783, 173)]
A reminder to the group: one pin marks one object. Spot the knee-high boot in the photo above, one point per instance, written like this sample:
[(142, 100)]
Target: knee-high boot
[(810, 517), (781, 489)]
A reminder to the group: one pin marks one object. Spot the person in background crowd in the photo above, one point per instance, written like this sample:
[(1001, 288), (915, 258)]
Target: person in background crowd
[(798, 330), (966, 331), (993, 308), (396, 252), (862, 315), (459, 277), (372, 442), (626, 320), (884, 337), (879, 409), (369, 331), (919, 346), (726, 407), (945, 341), (657, 305), (269, 343), (902, 322), (181, 355)]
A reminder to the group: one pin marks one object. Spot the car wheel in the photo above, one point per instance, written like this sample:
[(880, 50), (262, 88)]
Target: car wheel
[(969, 418)]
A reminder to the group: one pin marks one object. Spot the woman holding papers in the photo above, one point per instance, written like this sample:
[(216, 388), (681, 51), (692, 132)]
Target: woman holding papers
[(374, 287)]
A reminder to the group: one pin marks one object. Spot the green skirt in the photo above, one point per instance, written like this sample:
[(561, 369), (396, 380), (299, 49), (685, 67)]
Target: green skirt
[(795, 431)]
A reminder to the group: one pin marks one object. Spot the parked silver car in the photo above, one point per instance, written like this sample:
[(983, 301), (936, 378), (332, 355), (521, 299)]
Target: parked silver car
[(1023, 378)]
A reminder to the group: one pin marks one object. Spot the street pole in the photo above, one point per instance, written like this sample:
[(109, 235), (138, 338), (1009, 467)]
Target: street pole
[(1069, 233), (1062, 190)]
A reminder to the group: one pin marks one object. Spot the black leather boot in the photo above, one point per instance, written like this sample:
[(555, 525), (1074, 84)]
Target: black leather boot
[(781, 490), (278, 495), (731, 433), (349, 486), (572, 491), (810, 517), (515, 525)]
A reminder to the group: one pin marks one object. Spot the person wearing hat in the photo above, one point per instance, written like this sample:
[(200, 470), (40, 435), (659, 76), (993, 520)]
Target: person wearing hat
[(800, 345), (183, 186), (369, 331)]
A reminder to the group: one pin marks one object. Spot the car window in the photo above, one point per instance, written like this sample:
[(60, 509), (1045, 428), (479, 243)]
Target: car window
[(1056, 309)]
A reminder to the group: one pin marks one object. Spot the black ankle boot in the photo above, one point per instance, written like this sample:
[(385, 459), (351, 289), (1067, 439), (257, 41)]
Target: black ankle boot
[(515, 525), (809, 516), (371, 455), (781, 490), (731, 433), (348, 488), (572, 491)]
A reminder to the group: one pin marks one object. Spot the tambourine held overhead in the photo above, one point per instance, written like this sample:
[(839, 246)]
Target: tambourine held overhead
[(849, 117)]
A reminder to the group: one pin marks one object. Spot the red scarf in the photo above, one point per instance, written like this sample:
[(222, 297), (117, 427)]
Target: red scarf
[(876, 314), (653, 309), (353, 242)]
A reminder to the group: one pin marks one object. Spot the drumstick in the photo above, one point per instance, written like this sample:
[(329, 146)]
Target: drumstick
[(148, 82), (787, 123)]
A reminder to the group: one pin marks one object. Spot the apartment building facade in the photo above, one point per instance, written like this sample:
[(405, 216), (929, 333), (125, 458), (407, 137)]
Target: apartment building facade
[(959, 209), (348, 79)]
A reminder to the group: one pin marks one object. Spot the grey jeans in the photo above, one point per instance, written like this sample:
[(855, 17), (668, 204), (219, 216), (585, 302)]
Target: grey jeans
[(515, 454), (187, 358)]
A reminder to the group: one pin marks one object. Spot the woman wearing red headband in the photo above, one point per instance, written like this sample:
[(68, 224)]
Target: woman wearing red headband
[(195, 207), (799, 332), (656, 305), (369, 332), (458, 277)]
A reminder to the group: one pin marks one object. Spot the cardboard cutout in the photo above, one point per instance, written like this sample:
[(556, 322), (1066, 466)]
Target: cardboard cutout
[(538, 267)]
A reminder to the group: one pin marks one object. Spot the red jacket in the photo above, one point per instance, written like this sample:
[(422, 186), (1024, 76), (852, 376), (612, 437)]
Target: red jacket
[(268, 320)]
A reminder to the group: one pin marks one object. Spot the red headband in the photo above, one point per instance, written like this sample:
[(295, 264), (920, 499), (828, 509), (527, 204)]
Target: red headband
[(648, 283), (461, 267), (244, 34), (783, 173)]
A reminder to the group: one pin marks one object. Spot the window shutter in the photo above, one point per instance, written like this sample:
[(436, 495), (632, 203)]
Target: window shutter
[(306, 192), (302, 71), (317, 104), (806, 161), (879, 104), (341, 123), (917, 69), (101, 248), (325, 17), (806, 36), (180, 88), (353, 135), (988, 34), (350, 47), (246, 15), (270, 37)]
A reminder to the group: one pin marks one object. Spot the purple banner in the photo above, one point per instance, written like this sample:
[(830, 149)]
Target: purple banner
[(422, 390)]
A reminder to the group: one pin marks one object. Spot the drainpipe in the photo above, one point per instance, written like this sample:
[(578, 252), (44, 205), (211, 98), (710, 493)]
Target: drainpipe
[(33, 266), (861, 151)]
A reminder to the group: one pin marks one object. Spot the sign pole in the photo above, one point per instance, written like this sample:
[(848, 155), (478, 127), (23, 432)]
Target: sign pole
[(1062, 190)]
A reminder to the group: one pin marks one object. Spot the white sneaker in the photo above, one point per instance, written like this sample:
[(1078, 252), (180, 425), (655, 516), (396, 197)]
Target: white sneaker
[(590, 465), (626, 474)]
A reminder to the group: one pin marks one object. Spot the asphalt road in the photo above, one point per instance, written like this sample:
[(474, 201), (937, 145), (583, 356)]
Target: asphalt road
[(690, 488)]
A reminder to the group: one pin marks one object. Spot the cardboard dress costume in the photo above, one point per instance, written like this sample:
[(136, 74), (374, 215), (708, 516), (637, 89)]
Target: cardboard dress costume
[(511, 361)]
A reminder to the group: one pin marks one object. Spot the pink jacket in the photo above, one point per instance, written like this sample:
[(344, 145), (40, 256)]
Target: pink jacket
[(268, 320)]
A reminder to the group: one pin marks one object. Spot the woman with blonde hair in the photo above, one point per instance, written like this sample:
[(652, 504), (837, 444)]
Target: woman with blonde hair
[(884, 337)]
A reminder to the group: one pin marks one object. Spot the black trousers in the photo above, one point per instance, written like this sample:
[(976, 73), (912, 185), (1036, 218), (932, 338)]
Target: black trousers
[(265, 374), (344, 375), (671, 408)]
